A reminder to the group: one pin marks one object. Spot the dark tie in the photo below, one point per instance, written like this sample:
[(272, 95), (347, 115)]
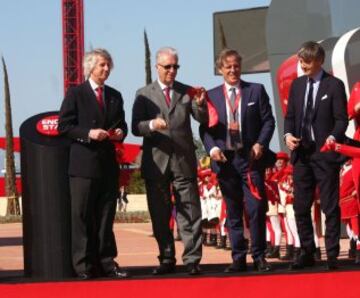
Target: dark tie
[(306, 128), (235, 137), (232, 96), (167, 96), (99, 97)]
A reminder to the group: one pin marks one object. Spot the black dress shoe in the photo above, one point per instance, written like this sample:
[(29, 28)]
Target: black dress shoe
[(262, 265), (193, 269), (302, 261), (164, 268), (332, 263), (117, 272), (85, 276), (237, 266)]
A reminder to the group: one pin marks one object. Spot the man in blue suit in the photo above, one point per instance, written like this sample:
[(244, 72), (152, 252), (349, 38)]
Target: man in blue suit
[(238, 147)]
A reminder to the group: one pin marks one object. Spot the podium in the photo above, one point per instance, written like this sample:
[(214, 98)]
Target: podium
[(46, 199)]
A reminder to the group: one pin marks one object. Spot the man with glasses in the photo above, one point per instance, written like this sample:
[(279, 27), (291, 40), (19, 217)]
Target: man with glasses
[(161, 115)]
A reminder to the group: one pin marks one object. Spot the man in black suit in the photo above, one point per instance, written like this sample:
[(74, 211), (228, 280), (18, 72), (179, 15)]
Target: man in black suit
[(92, 116), (238, 146), (316, 114)]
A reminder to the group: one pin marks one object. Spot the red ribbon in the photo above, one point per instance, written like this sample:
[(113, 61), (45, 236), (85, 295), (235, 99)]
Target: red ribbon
[(213, 115), (253, 189)]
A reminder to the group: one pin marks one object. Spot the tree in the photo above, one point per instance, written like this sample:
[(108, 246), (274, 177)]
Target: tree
[(10, 174), (148, 78), (136, 185)]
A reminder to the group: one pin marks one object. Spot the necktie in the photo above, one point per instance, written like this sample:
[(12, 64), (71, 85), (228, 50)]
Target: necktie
[(167, 96), (99, 97), (235, 137), (306, 128), (232, 96)]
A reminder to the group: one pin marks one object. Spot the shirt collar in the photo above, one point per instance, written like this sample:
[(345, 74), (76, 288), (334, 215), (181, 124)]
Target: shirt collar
[(162, 85), (93, 84), (228, 86), (318, 76)]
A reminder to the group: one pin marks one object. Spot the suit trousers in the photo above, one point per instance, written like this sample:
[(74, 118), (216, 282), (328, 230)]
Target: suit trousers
[(235, 189), (188, 215), (93, 207), (311, 170)]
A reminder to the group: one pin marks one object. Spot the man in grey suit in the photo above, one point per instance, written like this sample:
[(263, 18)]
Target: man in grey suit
[(161, 114)]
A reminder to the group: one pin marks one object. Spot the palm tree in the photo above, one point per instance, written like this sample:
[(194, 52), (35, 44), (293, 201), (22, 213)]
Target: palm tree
[(10, 174)]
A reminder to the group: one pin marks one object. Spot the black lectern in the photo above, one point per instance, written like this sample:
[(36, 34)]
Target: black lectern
[(46, 199)]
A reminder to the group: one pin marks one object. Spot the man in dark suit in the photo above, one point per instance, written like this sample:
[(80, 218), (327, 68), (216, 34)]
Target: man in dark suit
[(92, 116), (161, 114), (316, 114), (238, 147)]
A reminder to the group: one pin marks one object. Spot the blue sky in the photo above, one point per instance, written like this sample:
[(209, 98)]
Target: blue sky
[(31, 43)]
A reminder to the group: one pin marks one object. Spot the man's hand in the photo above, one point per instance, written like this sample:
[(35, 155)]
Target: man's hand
[(98, 134), (291, 142), (257, 151), (330, 140), (116, 134), (159, 123), (218, 155), (200, 96)]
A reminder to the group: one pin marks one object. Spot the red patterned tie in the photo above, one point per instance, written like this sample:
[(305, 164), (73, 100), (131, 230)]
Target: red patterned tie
[(167, 96), (99, 97)]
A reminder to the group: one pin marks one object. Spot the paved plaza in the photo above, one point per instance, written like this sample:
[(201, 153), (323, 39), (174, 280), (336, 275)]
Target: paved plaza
[(136, 247)]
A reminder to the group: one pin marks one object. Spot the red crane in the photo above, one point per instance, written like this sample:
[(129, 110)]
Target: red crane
[(73, 42)]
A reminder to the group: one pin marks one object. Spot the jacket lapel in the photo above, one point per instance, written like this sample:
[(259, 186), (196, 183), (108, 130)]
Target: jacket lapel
[(159, 98), (109, 107), (245, 96), (321, 92), (219, 101), (300, 102), (176, 96)]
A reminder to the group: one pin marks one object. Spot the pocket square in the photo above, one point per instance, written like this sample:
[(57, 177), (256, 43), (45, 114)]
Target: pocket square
[(324, 97), (251, 103)]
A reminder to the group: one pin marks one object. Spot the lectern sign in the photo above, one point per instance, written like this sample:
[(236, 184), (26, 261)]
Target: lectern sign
[(48, 126)]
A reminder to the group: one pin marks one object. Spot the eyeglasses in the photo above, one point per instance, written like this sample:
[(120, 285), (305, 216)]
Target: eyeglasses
[(168, 66)]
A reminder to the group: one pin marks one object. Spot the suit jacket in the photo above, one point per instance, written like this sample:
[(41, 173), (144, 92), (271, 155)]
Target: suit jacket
[(176, 141), (329, 116), (79, 113), (257, 121)]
